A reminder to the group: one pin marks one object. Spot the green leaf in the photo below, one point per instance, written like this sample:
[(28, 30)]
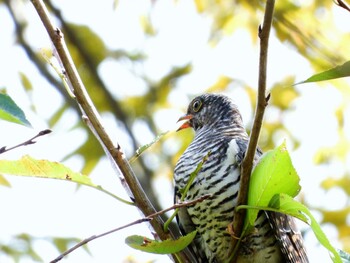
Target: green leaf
[(193, 175), (283, 93), (28, 166), (64, 243), (143, 148), (56, 117), (168, 246), (25, 82), (344, 256), (4, 182), (287, 205), (273, 174), (9, 111), (93, 44), (91, 151), (334, 73)]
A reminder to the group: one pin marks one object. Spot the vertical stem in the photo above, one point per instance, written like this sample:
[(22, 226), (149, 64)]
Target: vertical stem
[(247, 164)]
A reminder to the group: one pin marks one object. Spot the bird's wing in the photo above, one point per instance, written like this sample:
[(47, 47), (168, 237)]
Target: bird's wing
[(288, 236)]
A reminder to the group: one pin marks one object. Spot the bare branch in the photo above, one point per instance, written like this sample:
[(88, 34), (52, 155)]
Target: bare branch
[(115, 152), (138, 221), (342, 4), (247, 164), (114, 105), (92, 67), (27, 142)]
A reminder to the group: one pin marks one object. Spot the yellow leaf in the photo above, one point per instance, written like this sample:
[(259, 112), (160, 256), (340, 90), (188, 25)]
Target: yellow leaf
[(220, 85), (4, 182), (28, 166)]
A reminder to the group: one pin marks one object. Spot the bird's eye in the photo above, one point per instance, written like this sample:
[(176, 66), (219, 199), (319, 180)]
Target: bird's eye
[(196, 106)]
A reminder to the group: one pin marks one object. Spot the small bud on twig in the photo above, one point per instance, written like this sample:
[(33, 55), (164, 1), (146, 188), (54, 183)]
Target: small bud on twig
[(27, 142)]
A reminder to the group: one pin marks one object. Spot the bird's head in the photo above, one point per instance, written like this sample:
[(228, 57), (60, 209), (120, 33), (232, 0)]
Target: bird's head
[(211, 110)]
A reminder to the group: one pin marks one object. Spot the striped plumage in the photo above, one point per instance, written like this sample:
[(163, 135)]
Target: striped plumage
[(219, 130)]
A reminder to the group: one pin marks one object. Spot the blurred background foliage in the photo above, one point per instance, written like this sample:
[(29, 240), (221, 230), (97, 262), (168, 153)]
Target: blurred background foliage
[(309, 29)]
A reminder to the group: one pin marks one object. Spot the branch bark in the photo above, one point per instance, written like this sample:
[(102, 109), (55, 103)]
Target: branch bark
[(247, 164), (114, 151)]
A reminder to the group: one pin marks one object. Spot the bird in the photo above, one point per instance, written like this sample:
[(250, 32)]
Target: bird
[(220, 136)]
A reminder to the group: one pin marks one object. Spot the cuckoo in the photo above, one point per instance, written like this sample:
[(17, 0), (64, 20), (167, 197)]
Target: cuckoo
[(219, 130)]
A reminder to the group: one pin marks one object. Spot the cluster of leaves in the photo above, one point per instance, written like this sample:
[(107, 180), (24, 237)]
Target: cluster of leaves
[(24, 247), (274, 183)]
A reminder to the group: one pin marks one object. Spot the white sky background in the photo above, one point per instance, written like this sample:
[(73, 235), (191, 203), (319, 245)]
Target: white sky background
[(46, 208)]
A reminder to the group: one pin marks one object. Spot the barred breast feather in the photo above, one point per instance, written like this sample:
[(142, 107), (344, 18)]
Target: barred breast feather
[(219, 177)]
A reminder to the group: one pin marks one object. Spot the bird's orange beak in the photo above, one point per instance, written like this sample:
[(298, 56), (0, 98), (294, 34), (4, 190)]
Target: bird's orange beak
[(186, 124)]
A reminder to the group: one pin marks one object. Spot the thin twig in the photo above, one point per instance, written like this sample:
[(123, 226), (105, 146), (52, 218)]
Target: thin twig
[(247, 164), (342, 4), (114, 151), (138, 221), (27, 142)]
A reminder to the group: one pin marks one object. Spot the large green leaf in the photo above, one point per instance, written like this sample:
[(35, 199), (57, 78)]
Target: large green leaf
[(287, 205), (273, 174), (333, 73), (168, 246), (9, 111)]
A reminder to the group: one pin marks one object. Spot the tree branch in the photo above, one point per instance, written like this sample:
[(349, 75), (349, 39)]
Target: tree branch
[(115, 152), (247, 164), (138, 221), (27, 142), (342, 4), (115, 107)]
